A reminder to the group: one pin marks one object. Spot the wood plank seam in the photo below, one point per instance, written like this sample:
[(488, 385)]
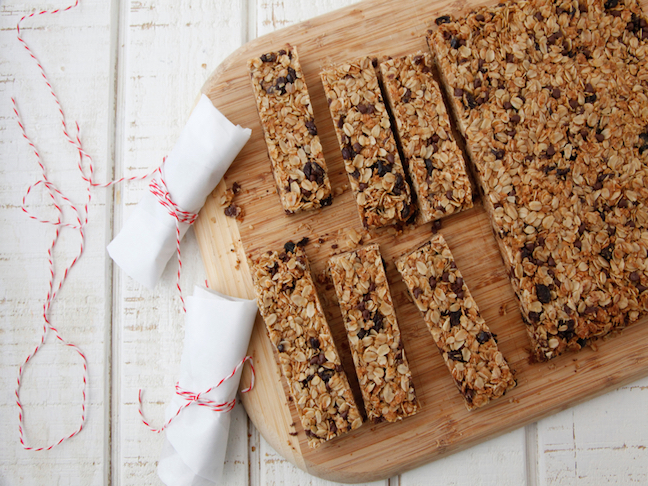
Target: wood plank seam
[(121, 56)]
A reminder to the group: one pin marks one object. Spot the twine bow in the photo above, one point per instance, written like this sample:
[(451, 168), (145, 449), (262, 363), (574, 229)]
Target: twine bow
[(192, 398)]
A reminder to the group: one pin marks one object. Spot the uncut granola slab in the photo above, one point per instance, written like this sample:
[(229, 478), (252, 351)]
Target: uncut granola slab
[(553, 101), (289, 129), (367, 143), (468, 347), (298, 330), (434, 160), (374, 337)]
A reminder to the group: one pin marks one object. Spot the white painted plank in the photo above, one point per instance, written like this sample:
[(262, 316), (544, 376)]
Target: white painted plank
[(75, 49), (169, 50), (276, 14), (500, 461), (276, 471), (604, 441)]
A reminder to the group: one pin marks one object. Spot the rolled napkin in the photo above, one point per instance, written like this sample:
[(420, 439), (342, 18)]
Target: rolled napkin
[(217, 334), (206, 148)]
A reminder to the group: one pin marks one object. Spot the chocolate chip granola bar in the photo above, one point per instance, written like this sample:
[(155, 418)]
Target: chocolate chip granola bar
[(433, 158), (468, 347), (367, 143), (286, 115), (373, 333), (552, 99), (298, 330)]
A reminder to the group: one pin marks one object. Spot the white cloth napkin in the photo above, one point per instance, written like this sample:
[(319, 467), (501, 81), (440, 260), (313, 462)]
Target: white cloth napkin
[(206, 148), (217, 334)]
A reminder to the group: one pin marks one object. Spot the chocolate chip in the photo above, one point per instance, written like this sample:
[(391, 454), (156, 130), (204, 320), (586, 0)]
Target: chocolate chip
[(555, 93), (483, 336), (470, 99), (608, 252), (516, 118), (455, 318), (314, 172), (477, 83), (538, 16), (433, 283), (390, 158), (361, 334), (599, 137), (507, 105), (405, 213), (406, 96), (543, 293), (398, 185), (289, 247), (417, 292), (611, 4), (365, 109), (444, 19), (454, 43), (314, 343), (480, 17), (357, 148), (377, 322), (383, 168), (280, 348), (232, 211), (458, 92), (455, 355), (634, 276), (326, 375), (347, 153), (590, 99), (270, 57), (310, 126)]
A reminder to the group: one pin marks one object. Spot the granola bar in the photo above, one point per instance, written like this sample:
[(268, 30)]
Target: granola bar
[(286, 115), (434, 160), (298, 330), (374, 337), (367, 143), (553, 102), (468, 347)]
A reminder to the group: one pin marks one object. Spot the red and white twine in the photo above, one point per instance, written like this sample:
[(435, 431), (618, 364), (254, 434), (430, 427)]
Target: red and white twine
[(192, 398), (80, 219)]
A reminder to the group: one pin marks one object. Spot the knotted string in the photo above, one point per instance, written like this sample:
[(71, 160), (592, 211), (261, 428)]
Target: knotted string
[(192, 398), (80, 220)]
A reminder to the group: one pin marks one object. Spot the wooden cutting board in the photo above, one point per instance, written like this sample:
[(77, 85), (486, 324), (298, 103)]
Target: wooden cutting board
[(444, 426)]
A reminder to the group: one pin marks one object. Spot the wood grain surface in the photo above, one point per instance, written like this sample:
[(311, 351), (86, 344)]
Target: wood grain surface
[(381, 27)]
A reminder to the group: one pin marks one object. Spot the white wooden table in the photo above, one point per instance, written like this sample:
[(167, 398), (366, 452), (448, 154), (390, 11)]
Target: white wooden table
[(129, 72)]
